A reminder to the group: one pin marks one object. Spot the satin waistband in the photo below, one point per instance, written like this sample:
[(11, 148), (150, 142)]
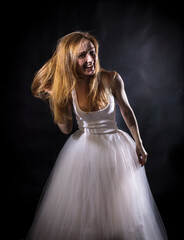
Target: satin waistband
[(104, 127)]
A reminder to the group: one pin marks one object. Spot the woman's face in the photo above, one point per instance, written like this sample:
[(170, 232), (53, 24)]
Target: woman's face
[(86, 58)]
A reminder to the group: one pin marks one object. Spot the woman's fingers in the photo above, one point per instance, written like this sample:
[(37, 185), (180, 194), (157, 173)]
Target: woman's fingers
[(142, 155)]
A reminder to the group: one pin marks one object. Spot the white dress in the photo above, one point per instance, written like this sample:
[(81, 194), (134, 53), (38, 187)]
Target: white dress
[(97, 189)]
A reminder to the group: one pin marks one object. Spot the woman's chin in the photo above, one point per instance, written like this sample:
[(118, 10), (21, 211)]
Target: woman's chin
[(90, 73)]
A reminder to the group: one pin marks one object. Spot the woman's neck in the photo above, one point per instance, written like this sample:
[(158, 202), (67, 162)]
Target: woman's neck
[(83, 82), (83, 78)]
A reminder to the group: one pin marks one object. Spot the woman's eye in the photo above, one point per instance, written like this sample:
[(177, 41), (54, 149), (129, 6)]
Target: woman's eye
[(92, 53), (82, 55)]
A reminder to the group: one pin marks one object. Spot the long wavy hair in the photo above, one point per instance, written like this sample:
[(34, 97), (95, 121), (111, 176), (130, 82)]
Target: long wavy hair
[(58, 76)]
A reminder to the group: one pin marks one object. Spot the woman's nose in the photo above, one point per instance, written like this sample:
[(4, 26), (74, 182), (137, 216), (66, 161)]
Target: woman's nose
[(89, 58)]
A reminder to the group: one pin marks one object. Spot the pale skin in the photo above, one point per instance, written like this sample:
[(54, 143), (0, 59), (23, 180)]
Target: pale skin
[(86, 63)]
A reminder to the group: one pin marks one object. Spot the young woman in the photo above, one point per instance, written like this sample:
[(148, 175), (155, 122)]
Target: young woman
[(98, 188)]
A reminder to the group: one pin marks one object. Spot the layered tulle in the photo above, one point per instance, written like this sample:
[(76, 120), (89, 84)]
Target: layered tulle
[(97, 191)]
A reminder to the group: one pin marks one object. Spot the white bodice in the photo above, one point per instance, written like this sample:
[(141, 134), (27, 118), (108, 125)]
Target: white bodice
[(96, 122)]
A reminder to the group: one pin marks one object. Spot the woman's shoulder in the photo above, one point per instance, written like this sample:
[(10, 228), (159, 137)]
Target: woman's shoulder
[(108, 76), (111, 76), (108, 73), (113, 79)]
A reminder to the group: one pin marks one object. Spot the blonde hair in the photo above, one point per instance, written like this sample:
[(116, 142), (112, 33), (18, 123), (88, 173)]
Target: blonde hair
[(59, 75)]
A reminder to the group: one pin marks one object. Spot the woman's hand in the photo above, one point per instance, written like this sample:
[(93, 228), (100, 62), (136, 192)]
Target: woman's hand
[(142, 154), (48, 91)]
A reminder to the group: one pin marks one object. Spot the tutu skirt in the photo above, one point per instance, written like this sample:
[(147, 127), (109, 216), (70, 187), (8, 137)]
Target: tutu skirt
[(97, 191)]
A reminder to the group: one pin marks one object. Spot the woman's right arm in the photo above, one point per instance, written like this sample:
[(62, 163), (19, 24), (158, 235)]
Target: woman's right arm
[(67, 127)]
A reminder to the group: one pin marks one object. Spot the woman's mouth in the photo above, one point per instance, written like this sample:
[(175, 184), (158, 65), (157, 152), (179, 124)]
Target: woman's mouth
[(89, 67)]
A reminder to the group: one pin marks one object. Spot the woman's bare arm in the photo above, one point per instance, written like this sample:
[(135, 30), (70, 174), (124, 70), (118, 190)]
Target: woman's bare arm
[(66, 128), (129, 117)]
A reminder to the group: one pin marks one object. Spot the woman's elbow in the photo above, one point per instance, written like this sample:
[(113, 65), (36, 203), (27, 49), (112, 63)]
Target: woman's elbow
[(65, 132), (66, 129)]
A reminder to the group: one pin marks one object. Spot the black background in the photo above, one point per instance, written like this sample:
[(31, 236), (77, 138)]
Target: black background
[(143, 41)]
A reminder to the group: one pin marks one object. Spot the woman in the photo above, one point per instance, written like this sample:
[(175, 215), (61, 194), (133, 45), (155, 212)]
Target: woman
[(98, 189)]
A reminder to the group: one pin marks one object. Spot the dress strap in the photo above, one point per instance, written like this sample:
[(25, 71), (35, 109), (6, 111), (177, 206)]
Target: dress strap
[(74, 99)]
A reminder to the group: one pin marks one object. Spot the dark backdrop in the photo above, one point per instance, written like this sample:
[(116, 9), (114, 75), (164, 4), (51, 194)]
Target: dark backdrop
[(143, 41)]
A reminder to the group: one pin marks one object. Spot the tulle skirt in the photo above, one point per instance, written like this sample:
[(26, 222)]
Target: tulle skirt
[(97, 191)]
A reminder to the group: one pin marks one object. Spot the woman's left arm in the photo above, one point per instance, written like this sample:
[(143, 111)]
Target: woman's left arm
[(129, 117)]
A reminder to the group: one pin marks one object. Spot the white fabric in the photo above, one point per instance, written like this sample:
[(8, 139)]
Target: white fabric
[(97, 189)]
